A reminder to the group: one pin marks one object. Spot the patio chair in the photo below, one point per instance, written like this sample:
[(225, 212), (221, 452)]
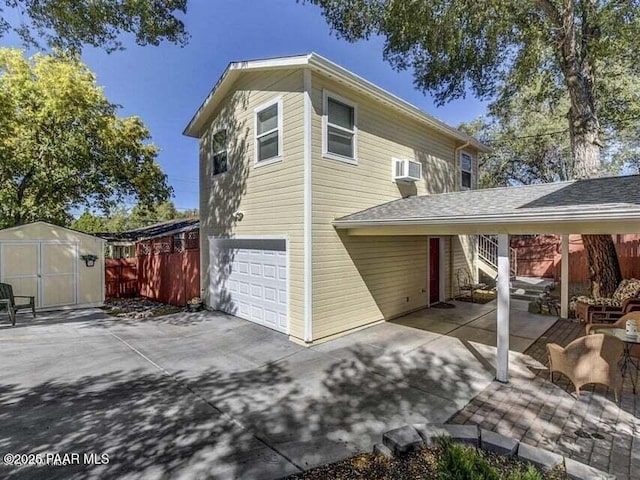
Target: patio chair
[(8, 302), (624, 300), (634, 350), (465, 283), (590, 359)]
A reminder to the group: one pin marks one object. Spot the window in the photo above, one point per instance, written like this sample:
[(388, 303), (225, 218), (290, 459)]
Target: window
[(340, 130), (269, 132), (466, 170), (220, 152)]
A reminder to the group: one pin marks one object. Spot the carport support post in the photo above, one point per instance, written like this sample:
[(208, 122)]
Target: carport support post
[(564, 277), (504, 274)]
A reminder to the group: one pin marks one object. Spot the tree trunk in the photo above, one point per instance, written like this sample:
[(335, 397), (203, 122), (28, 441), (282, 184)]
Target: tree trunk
[(578, 68), (604, 269), (602, 259)]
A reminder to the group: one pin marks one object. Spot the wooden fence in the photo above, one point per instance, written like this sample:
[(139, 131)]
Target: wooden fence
[(540, 256), (121, 277), (169, 268), (165, 269)]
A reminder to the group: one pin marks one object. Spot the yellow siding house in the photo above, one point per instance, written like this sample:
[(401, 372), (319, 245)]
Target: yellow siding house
[(287, 146)]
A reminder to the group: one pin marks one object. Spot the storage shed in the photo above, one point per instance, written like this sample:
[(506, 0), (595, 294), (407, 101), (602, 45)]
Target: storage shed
[(60, 267)]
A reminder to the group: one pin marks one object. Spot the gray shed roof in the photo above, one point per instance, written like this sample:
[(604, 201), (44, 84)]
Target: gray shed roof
[(593, 199)]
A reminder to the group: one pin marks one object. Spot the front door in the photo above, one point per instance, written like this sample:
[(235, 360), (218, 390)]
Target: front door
[(434, 270)]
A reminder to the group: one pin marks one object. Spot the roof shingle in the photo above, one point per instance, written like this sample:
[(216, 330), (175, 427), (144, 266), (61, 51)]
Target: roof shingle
[(594, 195)]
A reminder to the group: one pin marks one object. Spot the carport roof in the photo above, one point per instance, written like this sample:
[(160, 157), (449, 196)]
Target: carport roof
[(602, 199)]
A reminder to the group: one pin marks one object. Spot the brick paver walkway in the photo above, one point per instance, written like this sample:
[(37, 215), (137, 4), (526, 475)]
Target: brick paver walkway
[(593, 430)]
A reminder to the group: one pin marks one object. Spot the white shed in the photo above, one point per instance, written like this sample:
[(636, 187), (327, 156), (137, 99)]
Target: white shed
[(54, 264)]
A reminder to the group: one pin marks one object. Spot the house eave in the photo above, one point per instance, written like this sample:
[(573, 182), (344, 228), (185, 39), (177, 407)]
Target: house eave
[(508, 219), (328, 68)]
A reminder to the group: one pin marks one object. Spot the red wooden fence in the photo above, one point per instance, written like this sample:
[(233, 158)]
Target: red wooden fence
[(169, 268), (540, 256), (121, 277)]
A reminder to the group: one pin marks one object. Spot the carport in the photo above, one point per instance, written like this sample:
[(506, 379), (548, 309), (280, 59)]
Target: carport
[(595, 206)]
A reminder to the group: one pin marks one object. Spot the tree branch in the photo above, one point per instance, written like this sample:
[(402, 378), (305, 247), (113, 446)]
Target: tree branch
[(550, 11)]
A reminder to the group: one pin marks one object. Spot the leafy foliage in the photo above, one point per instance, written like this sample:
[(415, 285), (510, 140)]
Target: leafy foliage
[(460, 462), (484, 44), (531, 143), (121, 219), (70, 24), (63, 146)]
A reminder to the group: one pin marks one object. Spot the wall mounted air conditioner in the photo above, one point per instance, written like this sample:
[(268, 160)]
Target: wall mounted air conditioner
[(406, 170)]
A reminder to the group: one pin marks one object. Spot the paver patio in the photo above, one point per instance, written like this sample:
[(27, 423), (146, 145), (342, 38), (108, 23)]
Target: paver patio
[(212, 396), (592, 430)]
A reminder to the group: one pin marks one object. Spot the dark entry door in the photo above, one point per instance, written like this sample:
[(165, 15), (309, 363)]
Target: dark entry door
[(434, 270)]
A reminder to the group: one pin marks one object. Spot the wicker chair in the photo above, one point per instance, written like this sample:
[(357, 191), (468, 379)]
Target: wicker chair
[(8, 302), (624, 300), (634, 350), (590, 359)]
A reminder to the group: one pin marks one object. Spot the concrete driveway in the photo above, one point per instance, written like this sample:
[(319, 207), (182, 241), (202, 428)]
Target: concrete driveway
[(212, 396)]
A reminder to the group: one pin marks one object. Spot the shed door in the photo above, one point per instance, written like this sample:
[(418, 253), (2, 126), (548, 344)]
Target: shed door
[(44, 270), (58, 274), (19, 267), (249, 280)]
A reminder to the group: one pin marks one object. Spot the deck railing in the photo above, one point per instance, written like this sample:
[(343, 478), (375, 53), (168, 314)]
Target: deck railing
[(488, 253)]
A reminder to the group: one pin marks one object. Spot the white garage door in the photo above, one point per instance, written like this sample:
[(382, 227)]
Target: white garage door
[(249, 280)]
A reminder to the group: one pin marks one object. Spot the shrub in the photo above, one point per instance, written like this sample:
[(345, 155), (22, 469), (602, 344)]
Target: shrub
[(459, 462)]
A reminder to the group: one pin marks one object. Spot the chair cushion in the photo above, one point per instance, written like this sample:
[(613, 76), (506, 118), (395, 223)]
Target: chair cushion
[(600, 301), (627, 289)]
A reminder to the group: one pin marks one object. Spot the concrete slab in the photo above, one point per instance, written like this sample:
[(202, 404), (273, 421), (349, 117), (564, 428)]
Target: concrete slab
[(487, 337), (435, 325), (210, 395), (521, 323)]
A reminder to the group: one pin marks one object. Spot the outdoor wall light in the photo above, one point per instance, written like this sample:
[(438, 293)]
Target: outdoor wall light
[(89, 259), (238, 216)]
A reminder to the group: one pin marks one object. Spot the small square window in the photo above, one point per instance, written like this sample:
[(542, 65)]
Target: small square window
[(220, 152)]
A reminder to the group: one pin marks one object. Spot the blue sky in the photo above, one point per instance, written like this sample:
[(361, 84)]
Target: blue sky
[(164, 85)]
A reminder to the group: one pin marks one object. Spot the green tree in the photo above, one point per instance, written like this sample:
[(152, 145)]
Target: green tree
[(62, 145), (89, 223), (69, 25), (120, 219), (584, 50), (143, 215), (531, 143)]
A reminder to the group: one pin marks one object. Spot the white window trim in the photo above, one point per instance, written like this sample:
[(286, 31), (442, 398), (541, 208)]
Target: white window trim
[(326, 94), (470, 172), (256, 111), (214, 153)]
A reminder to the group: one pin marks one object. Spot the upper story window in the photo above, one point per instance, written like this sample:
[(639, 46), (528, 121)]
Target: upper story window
[(466, 170), (219, 152), (340, 128), (268, 128)]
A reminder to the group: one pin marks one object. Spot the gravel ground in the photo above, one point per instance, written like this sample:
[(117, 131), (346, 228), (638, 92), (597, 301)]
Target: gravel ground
[(137, 308)]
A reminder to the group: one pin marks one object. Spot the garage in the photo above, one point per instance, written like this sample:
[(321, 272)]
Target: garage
[(249, 280), (59, 267)]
